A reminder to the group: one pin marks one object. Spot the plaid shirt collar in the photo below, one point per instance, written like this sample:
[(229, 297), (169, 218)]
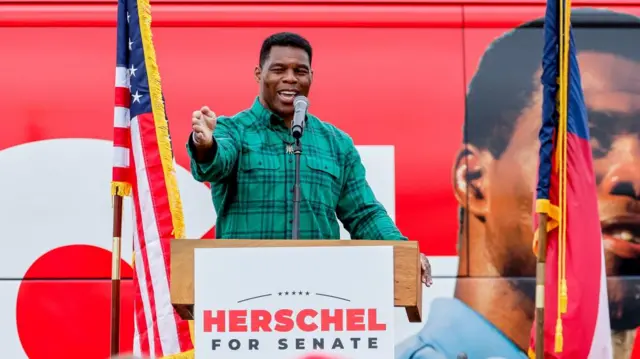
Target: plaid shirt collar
[(270, 119)]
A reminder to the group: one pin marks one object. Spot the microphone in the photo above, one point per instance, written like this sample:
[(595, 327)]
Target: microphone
[(300, 105)]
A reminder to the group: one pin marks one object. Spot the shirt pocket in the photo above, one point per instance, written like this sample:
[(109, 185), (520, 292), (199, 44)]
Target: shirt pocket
[(259, 177), (324, 180)]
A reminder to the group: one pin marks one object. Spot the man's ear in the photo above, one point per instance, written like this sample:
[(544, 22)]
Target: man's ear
[(257, 73), (470, 181)]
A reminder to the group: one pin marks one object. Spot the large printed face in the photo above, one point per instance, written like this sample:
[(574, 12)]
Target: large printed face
[(612, 94)]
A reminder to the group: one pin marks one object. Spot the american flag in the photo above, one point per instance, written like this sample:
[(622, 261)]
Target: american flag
[(143, 165)]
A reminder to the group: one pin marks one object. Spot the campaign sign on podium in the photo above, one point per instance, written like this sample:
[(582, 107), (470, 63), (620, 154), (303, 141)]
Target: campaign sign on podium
[(292, 302)]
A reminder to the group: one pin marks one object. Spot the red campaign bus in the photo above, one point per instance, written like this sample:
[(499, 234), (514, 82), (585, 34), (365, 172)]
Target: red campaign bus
[(449, 143)]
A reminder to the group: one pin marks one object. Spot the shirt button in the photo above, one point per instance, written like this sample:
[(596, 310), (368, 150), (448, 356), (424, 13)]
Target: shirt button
[(291, 221), (259, 163), (290, 160)]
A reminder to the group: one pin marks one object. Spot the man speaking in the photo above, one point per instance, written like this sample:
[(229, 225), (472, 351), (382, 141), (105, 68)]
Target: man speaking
[(249, 161)]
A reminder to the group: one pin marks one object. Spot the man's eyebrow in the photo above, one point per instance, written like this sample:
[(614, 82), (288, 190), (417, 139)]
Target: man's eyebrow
[(280, 64)]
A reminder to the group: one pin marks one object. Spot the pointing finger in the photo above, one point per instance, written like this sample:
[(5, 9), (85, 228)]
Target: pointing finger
[(200, 136), (198, 128)]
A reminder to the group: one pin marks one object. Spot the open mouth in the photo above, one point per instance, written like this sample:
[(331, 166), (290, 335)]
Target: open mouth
[(287, 96), (622, 237)]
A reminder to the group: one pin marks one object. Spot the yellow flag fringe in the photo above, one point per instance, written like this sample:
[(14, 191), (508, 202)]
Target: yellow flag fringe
[(160, 119), (121, 189)]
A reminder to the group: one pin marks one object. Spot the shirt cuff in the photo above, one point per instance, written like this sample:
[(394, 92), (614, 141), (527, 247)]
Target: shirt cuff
[(209, 157)]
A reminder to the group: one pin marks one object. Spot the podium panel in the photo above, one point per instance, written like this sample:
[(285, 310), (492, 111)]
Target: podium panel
[(291, 302), (407, 287)]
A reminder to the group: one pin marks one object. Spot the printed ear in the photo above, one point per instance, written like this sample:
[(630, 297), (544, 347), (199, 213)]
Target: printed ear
[(470, 181), (257, 73)]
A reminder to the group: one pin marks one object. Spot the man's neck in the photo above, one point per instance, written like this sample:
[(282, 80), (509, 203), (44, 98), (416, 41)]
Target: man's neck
[(493, 297), (287, 120)]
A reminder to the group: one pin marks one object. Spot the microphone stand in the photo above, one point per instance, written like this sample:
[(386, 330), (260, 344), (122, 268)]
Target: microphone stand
[(295, 232)]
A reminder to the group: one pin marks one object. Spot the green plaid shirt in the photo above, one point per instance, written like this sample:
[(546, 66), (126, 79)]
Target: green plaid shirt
[(252, 176)]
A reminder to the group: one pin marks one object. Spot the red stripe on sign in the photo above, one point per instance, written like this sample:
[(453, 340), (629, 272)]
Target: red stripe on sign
[(123, 97)]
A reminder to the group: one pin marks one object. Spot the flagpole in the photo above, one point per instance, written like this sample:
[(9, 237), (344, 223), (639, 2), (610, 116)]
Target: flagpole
[(540, 274), (115, 275)]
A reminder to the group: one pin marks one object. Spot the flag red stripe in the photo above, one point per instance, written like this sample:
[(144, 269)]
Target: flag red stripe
[(123, 97), (122, 137), (145, 261), (120, 174), (139, 317), (159, 194), (138, 304), (584, 248), (157, 183), (583, 259)]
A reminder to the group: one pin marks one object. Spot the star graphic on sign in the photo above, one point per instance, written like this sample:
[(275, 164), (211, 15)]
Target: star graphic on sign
[(136, 97), (279, 293), (130, 43), (293, 292), (286, 293), (307, 293), (300, 292)]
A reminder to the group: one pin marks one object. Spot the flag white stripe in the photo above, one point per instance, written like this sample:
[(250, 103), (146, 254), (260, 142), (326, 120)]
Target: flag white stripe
[(165, 319), (121, 117), (122, 77), (136, 336), (120, 157), (144, 293), (601, 347)]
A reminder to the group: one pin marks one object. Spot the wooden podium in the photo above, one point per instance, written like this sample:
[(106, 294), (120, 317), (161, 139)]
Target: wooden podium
[(406, 256)]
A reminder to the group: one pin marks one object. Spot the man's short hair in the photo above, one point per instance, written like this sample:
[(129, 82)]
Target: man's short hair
[(284, 39), (504, 81)]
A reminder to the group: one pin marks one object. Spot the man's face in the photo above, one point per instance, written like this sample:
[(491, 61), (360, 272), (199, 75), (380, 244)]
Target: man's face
[(284, 75), (612, 93)]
